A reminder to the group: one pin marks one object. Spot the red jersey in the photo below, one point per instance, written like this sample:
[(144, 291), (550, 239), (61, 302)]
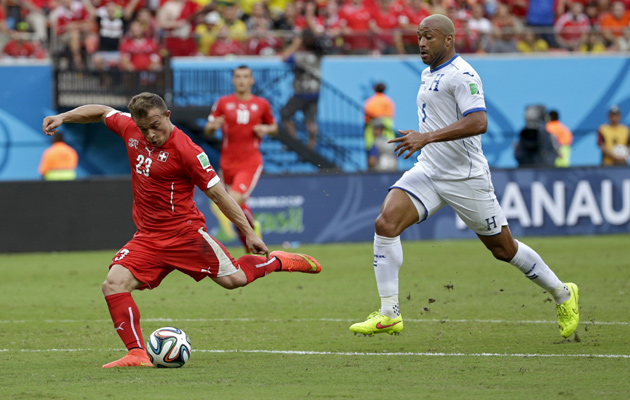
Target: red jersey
[(224, 47), (570, 28), (75, 13), (266, 45), (357, 18), (163, 179), (411, 16), (22, 49), (301, 23), (240, 143), (141, 52)]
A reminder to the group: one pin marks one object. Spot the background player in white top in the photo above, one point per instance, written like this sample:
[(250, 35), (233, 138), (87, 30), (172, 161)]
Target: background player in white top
[(451, 170)]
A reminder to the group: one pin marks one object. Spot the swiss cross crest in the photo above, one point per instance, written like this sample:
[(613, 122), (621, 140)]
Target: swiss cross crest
[(254, 107), (162, 156), (230, 106), (133, 143)]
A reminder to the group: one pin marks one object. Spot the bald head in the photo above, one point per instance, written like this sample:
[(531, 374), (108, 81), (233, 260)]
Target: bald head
[(436, 37), (439, 22)]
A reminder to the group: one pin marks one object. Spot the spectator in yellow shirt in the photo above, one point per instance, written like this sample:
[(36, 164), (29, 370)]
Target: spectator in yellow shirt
[(207, 32), (614, 139), (530, 42)]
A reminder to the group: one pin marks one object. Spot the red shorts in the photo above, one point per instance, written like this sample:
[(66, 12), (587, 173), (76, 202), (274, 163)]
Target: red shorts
[(193, 252), (243, 179)]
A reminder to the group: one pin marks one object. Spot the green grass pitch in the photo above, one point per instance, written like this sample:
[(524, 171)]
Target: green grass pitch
[(475, 328)]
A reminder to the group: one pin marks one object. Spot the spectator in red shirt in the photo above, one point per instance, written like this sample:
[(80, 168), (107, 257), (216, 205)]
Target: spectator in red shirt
[(384, 25), (518, 8), (261, 41), (355, 22), (139, 53), (412, 13), (21, 47), (571, 27), (310, 20), (72, 24), (176, 19), (225, 45), (332, 27)]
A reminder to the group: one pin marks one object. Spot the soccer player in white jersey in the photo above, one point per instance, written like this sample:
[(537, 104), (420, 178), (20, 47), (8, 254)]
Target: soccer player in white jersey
[(451, 170)]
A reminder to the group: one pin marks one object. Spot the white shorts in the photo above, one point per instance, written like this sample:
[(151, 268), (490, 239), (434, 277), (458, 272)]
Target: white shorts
[(473, 199)]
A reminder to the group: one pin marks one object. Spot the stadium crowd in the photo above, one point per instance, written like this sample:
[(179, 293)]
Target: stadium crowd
[(138, 34)]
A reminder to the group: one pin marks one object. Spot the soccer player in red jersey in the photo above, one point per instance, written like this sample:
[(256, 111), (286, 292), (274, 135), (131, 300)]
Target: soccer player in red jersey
[(165, 168), (244, 119)]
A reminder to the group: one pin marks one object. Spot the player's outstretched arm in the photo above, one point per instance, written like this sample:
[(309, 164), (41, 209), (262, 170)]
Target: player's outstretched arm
[(230, 208), (80, 115), (472, 124)]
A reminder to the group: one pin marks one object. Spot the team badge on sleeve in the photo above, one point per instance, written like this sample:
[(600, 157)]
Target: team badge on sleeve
[(203, 159), (473, 88)]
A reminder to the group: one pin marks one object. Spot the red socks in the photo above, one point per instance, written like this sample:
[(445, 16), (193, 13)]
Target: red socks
[(126, 318), (256, 266)]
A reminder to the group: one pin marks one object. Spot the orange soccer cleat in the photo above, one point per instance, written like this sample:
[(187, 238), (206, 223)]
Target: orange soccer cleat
[(135, 358), (297, 262)]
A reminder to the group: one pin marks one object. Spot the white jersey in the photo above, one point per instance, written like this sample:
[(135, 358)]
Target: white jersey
[(446, 95)]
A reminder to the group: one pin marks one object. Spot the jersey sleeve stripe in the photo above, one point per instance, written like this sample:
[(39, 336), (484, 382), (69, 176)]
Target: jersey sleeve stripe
[(112, 112), (213, 182), (472, 110)]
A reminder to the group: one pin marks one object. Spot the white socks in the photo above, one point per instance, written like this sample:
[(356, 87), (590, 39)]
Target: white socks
[(533, 266), (388, 257)]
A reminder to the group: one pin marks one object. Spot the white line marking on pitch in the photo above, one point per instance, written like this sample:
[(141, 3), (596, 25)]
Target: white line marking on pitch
[(445, 320), (344, 353)]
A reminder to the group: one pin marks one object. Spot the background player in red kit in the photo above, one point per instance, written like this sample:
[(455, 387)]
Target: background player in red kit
[(165, 168), (244, 119)]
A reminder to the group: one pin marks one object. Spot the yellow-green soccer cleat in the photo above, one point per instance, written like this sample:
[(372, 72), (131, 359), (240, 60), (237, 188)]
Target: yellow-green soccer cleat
[(569, 312), (377, 323)]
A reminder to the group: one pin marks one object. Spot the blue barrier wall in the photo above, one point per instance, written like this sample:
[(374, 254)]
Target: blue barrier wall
[(92, 214), (566, 83), (342, 207)]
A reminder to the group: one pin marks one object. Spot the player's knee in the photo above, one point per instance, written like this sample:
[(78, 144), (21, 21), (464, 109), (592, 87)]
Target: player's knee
[(384, 226), (109, 287), (503, 254)]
